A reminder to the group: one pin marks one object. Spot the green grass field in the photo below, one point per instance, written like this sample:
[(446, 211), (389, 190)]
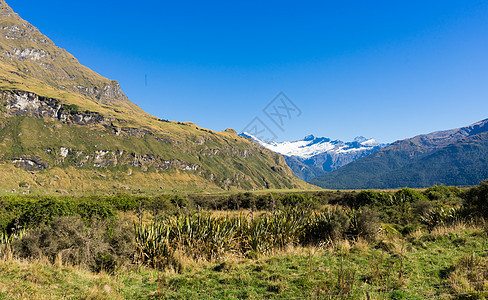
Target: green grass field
[(420, 265)]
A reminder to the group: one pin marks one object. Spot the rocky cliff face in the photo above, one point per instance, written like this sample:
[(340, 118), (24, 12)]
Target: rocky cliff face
[(20, 103)]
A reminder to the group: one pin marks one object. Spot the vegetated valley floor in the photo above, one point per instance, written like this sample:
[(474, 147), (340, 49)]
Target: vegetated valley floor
[(421, 265), (401, 244)]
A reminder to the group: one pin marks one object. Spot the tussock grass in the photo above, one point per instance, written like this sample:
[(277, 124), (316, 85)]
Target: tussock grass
[(355, 269)]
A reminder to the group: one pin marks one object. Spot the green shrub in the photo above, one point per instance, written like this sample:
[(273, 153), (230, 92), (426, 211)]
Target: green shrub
[(265, 201), (367, 223), (72, 109), (442, 192), (407, 195), (35, 210), (67, 239), (476, 200), (120, 236), (160, 205), (181, 202), (372, 198), (241, 200), (440, 216), (88, 209), (102, 245), (398, 295), (330, 224), (44, 210), (298, 200), (122, 202)]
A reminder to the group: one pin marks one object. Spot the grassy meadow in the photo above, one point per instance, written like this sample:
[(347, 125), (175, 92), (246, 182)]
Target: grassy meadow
[(403, 244)]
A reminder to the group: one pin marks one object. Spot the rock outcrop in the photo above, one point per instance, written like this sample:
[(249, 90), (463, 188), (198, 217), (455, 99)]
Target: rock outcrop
[(20, 103)]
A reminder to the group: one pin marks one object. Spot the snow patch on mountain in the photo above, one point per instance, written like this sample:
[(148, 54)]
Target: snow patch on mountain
[(315, 156), (311, 146)]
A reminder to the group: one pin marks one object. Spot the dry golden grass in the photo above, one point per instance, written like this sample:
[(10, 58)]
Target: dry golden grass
[(456, 228), (342, 247), (360, 245), (37, 279), (415, 234)]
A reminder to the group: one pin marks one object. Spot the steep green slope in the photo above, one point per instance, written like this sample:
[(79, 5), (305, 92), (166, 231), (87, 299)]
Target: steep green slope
[(453, 157), (302, 170), (64, 127)]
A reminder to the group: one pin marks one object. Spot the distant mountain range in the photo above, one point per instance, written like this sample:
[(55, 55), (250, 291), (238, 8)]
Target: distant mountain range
[(314, 156), (451, 157)]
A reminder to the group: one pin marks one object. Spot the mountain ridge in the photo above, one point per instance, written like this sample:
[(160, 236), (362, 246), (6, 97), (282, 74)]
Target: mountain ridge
[(40, 61), (450, 157), (64, 127)]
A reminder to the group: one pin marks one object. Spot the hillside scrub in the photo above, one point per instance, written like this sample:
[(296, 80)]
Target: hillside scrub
[(180, 233)]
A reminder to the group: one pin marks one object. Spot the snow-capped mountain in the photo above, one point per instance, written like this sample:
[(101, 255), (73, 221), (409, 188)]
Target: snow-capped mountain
[(314, 156)]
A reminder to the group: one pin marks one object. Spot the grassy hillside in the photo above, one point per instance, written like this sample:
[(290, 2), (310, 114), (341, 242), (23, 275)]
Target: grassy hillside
[(65, 128), (98, 160), (34, 56)]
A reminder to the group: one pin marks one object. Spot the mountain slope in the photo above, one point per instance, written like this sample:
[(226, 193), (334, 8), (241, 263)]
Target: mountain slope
[(64, 128), (303, 170), (451, 157), (313, 156)]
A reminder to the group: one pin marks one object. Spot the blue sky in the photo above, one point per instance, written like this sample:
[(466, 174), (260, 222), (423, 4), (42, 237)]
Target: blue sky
[(383, 69)]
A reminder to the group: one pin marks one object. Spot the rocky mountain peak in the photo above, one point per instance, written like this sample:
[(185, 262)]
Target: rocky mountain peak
[(25, 48), (4, 8), (360, 139)]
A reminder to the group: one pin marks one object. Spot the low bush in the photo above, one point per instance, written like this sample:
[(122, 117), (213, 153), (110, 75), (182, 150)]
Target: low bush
[(298, 200), (440, 216), (45, 210), (422, 208), (367, 223), (407, 195), (67, 240), (34, 211), (70, 241), (372, 198), (476, 200), (443, 192)]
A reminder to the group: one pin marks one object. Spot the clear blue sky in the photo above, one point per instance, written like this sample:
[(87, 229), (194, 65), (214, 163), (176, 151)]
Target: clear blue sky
[(375, 68)]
